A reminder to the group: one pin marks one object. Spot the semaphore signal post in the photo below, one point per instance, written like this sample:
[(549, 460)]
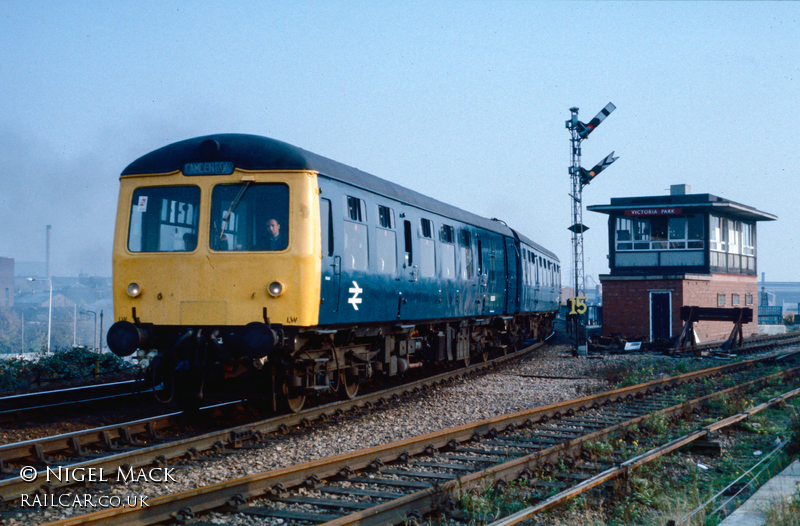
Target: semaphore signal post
[(580, 177)]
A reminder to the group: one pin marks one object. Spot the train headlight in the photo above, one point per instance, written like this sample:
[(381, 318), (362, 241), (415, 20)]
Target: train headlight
[(275, 289), (134, 290)]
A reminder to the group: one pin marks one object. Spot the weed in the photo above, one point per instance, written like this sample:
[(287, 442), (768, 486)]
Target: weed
[(656, 424), (784, 512), (600, 450)]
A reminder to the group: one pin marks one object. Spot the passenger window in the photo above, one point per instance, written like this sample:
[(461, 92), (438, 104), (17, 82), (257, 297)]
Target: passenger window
[(427, 250), (164, 219), (426, 228), (447, 234), (385, 217), (356, 254), (386, 241), (465, 246), (355, 209)]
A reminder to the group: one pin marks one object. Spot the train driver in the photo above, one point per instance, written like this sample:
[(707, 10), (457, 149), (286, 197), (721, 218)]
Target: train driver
[(275, 240)]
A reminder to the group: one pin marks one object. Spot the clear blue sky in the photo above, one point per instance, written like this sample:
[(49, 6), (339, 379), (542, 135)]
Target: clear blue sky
[(463, 101)]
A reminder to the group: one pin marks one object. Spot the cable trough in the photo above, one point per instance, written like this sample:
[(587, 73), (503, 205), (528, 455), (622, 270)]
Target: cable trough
[(387, 483)]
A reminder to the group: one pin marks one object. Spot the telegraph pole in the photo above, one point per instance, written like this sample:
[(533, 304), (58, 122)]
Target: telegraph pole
[(579, 178)]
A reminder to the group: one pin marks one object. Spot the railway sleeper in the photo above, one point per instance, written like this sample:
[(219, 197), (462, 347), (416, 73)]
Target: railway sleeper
[(38, 456), (289, 515), (5, 470)]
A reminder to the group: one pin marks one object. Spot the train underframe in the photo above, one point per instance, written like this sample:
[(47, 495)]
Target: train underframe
[(297, 363)]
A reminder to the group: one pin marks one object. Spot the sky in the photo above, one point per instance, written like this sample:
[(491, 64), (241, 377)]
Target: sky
[(463, 101)]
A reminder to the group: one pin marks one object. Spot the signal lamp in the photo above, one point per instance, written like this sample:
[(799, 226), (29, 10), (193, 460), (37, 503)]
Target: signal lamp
[(134, 290)]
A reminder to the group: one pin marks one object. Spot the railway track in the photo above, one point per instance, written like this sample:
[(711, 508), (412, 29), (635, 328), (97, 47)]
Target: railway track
[(750, 345), (144, 442), (24, 407), (383, 484)]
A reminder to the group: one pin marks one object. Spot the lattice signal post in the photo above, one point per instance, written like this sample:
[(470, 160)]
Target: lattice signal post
[(580, 177)]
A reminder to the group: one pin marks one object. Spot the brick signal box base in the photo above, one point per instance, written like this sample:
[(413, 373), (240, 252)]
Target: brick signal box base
[(628, 301)]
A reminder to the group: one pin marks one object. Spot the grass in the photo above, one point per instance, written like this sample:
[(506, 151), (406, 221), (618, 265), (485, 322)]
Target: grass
[(784, 512), (624, 373)]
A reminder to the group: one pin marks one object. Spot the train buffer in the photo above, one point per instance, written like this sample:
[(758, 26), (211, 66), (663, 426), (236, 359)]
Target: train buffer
[(691, 314)]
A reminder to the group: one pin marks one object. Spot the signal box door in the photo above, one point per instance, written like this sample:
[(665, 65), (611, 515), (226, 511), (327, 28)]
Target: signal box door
[(660, 316)]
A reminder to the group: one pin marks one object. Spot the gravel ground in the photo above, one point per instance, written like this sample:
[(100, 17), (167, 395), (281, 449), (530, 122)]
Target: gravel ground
[(515, 387)]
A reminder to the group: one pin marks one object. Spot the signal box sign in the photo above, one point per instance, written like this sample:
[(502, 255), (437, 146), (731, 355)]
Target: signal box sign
[(641, 212)]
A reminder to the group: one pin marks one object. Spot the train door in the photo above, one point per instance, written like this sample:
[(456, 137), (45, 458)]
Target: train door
[(512, 268), (494, 301), (409, 274), (660, 316), (331, 264)]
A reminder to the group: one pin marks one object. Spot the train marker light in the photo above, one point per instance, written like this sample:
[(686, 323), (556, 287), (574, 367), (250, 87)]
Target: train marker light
[(587, 175), (585, 129), (134, 290), (275, 289)]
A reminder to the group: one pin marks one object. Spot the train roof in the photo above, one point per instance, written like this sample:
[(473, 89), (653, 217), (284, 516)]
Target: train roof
[(256, 153)]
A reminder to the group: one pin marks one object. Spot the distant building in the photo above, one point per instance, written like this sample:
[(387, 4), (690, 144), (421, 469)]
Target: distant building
[(6, 282), (678, 250)]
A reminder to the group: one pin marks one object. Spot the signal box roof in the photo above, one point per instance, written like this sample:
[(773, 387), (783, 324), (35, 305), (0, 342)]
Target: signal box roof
[(689, 203)]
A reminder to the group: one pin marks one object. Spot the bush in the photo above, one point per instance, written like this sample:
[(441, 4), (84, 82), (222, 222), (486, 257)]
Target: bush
[(64, 364)]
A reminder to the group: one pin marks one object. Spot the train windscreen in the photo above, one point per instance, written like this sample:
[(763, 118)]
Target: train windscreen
[(250, 216), (164, 219)]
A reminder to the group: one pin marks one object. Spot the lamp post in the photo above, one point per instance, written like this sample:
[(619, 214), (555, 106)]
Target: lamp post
[(95, 326), (49, 309)]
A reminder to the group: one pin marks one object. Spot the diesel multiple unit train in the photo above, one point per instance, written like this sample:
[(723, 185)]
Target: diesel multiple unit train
[(246, 262)]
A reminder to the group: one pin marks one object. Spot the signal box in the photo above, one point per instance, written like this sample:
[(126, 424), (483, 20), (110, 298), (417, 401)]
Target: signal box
[(682, 249)]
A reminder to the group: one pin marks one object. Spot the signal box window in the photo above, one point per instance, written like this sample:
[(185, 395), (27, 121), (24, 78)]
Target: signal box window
[(251, 217), (660, 233), (164, 219)]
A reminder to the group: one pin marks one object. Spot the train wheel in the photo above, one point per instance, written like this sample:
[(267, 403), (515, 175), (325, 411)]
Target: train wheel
[(482, 351), (348, 386), (293, 400)]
